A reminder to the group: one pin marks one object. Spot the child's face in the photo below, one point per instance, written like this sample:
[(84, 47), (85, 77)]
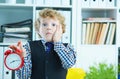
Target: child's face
[(48, 28)]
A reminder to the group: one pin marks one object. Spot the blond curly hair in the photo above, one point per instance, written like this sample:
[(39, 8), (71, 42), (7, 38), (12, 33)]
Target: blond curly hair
[(50, 13)]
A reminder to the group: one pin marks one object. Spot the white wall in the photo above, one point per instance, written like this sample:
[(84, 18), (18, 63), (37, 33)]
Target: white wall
[(88, 55)]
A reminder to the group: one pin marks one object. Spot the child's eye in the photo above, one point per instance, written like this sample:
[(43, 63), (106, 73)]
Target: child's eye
[(53, 24), (44, 24)]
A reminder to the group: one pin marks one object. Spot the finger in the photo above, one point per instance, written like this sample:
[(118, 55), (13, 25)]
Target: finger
[(11, 46), (19, 44), (58, 28), (21, 50), (14, 48)]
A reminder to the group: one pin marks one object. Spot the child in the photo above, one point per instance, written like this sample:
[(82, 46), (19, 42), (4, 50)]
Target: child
[(40, 60)]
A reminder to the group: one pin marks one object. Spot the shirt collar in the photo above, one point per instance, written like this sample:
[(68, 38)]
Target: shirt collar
[(43, 42)]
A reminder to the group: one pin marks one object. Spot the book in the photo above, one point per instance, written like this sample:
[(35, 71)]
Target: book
[(98, 18), (91, 33), (87, 33), (18, 30), (13, 40), (84, 25), (109, 34), (21, 29), (22, 36), (113, 33), (103, 33), (98, 33), (96, 26)]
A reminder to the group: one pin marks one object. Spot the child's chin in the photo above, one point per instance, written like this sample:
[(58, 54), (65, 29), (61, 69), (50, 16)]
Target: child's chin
[(49, 39)]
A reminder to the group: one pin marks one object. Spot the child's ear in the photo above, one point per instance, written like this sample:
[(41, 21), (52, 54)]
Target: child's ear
[(63, 29), (37, 24)]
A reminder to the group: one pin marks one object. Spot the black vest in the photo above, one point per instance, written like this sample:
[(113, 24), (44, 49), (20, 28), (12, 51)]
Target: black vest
[(45, 65)]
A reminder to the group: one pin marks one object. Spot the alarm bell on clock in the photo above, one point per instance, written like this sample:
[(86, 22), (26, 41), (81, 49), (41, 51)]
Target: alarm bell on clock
[(13, 60)]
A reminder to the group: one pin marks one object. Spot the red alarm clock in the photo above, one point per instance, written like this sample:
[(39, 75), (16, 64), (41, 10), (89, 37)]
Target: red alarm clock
[(13, 59)]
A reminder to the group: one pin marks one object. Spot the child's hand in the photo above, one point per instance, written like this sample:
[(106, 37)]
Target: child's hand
[(58, 34), (18, 47)]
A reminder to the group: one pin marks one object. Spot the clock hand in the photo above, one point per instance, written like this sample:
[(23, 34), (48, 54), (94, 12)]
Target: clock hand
[(14, 61)]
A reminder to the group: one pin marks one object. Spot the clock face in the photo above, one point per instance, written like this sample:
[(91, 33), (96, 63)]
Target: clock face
[(13, 61)]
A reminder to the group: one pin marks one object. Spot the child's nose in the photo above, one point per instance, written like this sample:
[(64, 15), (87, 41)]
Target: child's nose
[(49, 27)]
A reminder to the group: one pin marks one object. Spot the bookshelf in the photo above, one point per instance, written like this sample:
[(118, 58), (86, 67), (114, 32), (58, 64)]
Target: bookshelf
[(90, 53), (21, 10)]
